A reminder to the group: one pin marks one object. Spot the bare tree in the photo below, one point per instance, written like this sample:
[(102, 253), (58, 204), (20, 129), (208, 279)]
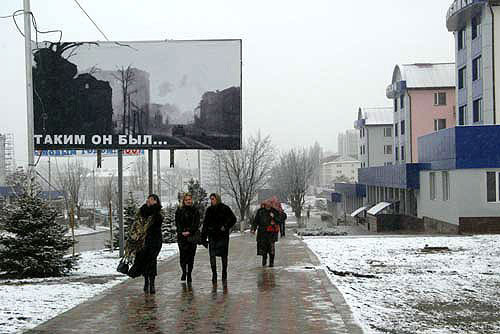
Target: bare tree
[(107, 190), (70, 179), (139, 176), (245, 171), (291, 177), (126, 78)]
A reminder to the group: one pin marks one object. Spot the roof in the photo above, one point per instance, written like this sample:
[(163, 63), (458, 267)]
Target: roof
[(378, 116), (341, 159), (378, 207), (425, 75), (358, 211)]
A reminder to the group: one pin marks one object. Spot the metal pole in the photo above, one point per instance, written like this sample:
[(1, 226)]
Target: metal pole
[(150, 170), (50, 186), (158, 173), (29, 84), (93, 218), (120, 203), (199, 167), (220, 188)]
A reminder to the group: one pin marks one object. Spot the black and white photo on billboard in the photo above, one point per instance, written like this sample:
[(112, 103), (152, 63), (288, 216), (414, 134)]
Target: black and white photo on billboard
[(161, 94)]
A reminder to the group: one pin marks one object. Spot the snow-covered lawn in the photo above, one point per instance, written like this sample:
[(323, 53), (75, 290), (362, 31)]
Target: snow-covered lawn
[(27, 303), (456, 291)]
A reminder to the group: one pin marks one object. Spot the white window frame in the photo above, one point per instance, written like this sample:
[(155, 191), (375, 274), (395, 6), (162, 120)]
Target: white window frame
[(445, 178), (464, 108), (387, 132), (432, 186), (477, 65), (480, 111), (497, 186), (388, 149), (437, 101), (436, 124)]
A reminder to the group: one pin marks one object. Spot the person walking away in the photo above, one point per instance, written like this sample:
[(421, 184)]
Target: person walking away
[(265, 225), (219, 219), (281, 218), (187, 221), (145, 241)]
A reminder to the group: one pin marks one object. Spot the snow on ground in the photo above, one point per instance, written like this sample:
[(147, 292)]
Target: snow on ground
[(27, 303), (417, 292)]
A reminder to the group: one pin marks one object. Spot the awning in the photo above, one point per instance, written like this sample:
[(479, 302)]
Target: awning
[(358, 211), (378, 207)]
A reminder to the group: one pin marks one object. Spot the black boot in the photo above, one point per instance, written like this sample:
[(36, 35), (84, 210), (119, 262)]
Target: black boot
[(214, 275), (152, 285), (183, 267), (271, 260), (146, 283), (264, 260), (224, 269), (190, 270)]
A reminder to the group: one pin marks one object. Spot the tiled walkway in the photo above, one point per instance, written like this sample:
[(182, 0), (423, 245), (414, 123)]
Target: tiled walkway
[(293, 297)]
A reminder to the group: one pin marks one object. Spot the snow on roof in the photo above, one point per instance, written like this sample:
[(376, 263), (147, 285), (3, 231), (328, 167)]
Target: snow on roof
[(378, 116), (427, 75), (358, 211), (378, 207)]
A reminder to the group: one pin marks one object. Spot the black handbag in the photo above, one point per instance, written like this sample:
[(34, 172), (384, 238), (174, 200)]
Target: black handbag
[(122, 266)]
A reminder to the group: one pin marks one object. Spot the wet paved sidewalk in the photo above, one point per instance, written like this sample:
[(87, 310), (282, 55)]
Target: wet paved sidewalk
[(292, 297)]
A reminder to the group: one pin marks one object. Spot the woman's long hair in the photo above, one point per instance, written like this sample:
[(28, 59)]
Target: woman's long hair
[(156, 198)]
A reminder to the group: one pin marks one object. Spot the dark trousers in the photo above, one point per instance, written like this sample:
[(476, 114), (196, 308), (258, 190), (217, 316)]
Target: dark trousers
[(186, 257), (282, 229), (213, 264)]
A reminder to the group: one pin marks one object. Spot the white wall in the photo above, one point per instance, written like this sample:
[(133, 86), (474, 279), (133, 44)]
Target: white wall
[(467, 196)]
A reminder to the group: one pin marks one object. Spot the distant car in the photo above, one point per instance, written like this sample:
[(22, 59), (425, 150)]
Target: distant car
[(178, 130)]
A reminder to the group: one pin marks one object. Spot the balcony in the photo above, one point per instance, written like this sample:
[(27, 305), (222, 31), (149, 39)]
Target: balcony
[(395, 90), (462, 10)]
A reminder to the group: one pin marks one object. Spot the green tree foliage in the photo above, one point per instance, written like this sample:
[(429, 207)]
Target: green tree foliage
[(32, 243)]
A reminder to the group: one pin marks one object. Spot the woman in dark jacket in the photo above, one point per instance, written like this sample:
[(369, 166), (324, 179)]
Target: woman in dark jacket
[(187, 220), (146, 239), (266, 224), (219, 219)]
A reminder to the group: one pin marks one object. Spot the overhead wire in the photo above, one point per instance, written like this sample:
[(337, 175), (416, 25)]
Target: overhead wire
[(91, 20)]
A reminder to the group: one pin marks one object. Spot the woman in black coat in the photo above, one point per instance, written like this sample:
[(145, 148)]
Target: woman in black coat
[(187, 221), (219, 219), (147, 238), (266, 224)]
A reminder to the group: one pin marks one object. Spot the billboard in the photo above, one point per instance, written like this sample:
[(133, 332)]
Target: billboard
[(137, 95)]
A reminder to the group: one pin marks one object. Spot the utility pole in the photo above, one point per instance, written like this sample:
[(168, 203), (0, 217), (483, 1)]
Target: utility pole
[(29, 85)]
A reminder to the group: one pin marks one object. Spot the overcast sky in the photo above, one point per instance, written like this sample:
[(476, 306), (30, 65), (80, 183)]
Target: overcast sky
[(307, 65)]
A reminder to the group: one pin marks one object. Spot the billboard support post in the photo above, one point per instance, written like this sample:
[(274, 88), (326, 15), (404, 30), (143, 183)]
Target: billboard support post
[(29, 85), (120, 203), (158, 172), (150, 171), (199, 167)]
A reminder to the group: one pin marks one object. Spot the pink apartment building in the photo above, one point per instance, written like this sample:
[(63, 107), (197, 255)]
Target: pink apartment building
[(424, 102)]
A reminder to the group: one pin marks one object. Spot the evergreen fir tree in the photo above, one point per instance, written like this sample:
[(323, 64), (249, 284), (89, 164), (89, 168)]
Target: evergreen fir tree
[(33, 244), (168, 227), (129, 212), (200, 197)]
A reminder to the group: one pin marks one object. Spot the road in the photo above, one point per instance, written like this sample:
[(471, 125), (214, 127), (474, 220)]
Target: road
[(91, 242)]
